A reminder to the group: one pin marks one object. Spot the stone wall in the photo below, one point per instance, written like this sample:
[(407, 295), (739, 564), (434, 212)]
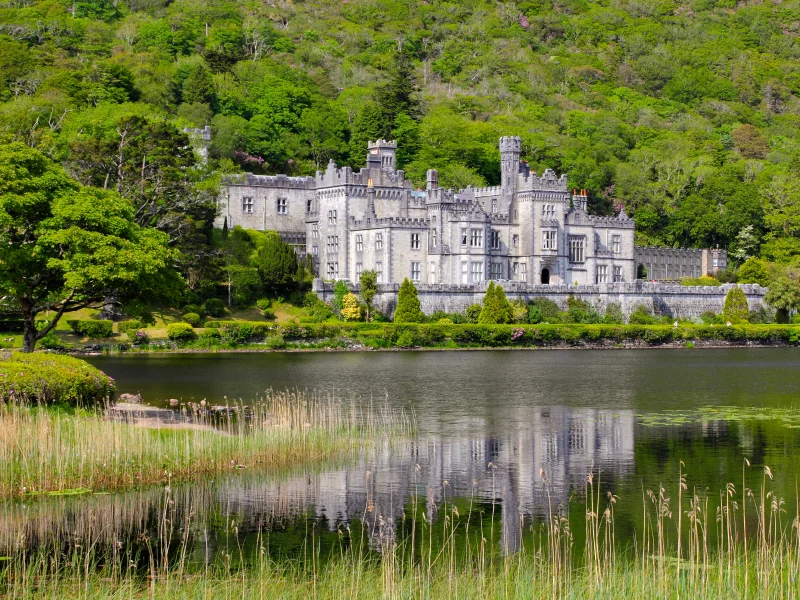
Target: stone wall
[(673, 300)]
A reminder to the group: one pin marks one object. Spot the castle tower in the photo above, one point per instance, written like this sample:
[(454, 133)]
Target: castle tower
[(510, 150), (386, 150)]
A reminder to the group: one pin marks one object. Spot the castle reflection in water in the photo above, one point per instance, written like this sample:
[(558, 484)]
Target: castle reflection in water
[(541, 460), (525, 471)]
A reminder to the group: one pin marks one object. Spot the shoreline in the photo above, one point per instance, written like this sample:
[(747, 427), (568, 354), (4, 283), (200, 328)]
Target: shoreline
[(697, 345)]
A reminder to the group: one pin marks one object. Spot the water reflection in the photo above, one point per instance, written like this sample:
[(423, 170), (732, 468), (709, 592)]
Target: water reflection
[(524, 472)]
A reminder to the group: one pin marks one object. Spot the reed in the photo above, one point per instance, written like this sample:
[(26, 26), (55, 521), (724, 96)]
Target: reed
[(437, 555), (47, 450)]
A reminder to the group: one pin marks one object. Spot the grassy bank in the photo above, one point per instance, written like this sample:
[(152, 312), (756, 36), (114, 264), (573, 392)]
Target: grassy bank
[(221, 335), (738, 543), (72, 451)]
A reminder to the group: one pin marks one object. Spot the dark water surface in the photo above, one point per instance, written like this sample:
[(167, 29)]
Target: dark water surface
[(510, 433)]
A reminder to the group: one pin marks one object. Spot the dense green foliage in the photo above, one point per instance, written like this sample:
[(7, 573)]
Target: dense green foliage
[(48, 378), (496, 308), (686, 114), (64, 246), (180, 332), (408, 310), (230, 334), (92, 328), (735, 309)]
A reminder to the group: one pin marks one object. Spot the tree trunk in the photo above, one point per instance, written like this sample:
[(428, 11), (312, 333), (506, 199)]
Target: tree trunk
[(29, 335)]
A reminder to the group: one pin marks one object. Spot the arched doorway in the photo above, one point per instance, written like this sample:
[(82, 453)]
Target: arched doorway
[(545, 276)]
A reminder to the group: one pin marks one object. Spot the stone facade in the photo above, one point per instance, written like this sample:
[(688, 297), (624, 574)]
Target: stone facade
[(672, 300), (529, 229), (673, 264)]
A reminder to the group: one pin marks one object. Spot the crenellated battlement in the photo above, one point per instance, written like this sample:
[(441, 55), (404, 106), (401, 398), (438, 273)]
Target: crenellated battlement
[(270, 181)]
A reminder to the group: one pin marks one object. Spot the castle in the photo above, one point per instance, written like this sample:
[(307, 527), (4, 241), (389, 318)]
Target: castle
[(529, 229)]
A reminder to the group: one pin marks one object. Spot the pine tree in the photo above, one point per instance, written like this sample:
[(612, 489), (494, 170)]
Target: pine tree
[(276, 263), (408, 310), (735, 309)]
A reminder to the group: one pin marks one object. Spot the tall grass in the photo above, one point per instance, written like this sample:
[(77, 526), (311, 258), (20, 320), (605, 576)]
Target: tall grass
[(47, 450), (435, 551)]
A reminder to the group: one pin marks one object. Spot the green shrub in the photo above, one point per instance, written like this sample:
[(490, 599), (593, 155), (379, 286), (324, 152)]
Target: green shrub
[(310, 299), (192, 309), (405, 339), (274, 342), (548, 311), (180, 332), (710, 317), (51, 341), (761, 315), (139, 337), (408, 310), (53, 378), (130, 327), (268, 314), (210, 334), (92, 328), (641, 315), (534, 314), (192, 319), (735, 309), (704, 280), (472, 312), (754, 271), (214, 307), (264, 303), (614, 315)]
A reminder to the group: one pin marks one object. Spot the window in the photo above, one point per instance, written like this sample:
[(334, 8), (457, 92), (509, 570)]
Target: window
[(358, 270), (415, 272), (715, 262), (359, 243), (309, 205), (333, 270), (495, 240), (331, 217), (379, 270), (314, 231), (494, 205), (433, 238), (602, 274), (549, 239), (576, 250), (415, 241), (464, 273), (616, 244), (314, 250), (247, 204), (281, 206), (378, 241), (549, 211), (618, 274), (432, 278), (515, 240), (523, 271), (497, 271), (463, 236), (476, 272), (477, 238), (332, 243)]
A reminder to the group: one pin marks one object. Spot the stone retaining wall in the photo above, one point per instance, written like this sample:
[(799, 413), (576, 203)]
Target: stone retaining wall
[(673, 300)]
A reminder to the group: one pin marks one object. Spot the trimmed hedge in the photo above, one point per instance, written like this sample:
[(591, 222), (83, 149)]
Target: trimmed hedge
[(180, 332), (92, 328), (52, 378), (130, 327), (492, 336), (12, 325)]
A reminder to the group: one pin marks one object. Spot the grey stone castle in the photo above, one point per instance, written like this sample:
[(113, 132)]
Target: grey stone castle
[(529, 229)]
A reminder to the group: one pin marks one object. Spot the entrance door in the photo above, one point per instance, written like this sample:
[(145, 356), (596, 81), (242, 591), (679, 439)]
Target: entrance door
[(545, 276)]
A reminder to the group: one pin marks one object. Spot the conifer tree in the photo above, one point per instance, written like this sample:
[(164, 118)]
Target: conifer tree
[(351, 310), (496, 308), (735, 309), (408, 310)]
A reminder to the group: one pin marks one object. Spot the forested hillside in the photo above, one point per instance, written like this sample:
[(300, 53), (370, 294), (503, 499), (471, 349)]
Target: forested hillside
[(687, 113)]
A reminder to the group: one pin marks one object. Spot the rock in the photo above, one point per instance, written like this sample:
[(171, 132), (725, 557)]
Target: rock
[(173, 402), (131, 398)]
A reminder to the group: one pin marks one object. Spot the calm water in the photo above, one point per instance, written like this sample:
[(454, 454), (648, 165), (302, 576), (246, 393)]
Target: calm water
[(507, 432)]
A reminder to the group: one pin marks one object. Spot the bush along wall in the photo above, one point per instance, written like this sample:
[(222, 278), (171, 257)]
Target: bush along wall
[(448, 335), (52, 378)]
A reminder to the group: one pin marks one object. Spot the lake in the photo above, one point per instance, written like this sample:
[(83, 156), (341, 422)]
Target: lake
[(507, 437)]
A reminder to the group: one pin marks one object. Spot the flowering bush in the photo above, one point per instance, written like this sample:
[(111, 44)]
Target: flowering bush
[(517, 333)]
